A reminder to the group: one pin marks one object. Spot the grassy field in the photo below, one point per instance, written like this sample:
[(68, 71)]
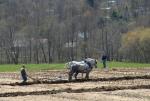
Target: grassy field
[(57, 66), (31, 67)]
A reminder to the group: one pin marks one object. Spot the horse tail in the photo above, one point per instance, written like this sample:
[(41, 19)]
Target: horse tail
[(66, 65)]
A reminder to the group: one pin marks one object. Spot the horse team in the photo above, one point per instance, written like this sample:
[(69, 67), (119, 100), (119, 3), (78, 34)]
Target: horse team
[(76, 67)]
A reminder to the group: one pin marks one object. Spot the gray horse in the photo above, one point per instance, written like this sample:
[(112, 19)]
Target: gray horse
[(85, 66)]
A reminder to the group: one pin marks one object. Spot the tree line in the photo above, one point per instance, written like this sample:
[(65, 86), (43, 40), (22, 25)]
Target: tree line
[(46, 31)]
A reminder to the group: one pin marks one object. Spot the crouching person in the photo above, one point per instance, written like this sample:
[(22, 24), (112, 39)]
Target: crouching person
[(23, 74)]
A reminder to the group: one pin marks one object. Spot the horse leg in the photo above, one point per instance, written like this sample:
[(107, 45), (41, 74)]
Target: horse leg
[(82, 75), (70, 76), (72, 71), (76, 75), (87, 75)]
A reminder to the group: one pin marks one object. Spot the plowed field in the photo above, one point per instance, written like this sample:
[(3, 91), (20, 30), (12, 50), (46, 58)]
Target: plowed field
[(114, 85)]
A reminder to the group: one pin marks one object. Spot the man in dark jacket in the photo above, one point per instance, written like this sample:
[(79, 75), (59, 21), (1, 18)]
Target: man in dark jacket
[(104, 59), (23, 74)]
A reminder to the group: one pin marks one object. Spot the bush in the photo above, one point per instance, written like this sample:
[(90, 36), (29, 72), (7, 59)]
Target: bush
[(135, 45)]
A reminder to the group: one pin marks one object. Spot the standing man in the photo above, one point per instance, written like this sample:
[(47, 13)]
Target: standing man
[(104, 60), (23, 74)]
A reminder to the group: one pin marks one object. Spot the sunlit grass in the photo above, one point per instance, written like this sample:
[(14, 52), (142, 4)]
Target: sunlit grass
[(61, 66), (31, 67)]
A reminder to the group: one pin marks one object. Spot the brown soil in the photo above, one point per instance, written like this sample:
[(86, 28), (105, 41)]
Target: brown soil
[(114, 85), (69, 90)]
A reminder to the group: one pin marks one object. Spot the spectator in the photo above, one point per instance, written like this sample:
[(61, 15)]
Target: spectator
[(104, 60)]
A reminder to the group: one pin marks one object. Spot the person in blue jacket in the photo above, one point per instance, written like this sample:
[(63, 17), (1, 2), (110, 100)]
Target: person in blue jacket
[(23, 74), (104, 60)]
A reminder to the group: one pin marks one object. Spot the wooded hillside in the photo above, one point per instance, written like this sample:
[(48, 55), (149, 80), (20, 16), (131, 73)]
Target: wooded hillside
[(46, 31)]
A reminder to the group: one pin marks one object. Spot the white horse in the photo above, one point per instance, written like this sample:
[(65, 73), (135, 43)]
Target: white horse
[(85, 66)]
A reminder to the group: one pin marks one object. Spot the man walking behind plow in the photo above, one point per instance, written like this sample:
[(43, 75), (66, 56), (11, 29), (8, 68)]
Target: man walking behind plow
[(23, 74)]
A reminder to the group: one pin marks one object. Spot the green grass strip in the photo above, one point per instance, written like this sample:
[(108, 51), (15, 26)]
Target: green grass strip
[(59, 66)]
